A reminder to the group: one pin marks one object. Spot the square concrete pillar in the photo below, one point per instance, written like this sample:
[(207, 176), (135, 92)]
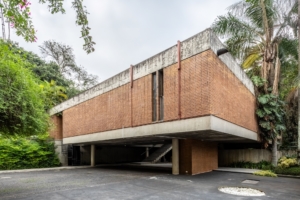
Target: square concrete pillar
[(197, 156), (175, 157), (92, 155)]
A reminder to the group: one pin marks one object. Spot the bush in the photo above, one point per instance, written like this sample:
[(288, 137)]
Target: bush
[(20, 153), (265, 173), (22, 106), (295, 171), (285, 162), (265, 165)]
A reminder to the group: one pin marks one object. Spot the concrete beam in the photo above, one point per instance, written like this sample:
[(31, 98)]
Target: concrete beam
[(182, 127)]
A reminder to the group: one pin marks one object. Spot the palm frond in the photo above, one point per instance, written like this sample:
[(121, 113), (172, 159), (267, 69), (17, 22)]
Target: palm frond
[(251, 59)]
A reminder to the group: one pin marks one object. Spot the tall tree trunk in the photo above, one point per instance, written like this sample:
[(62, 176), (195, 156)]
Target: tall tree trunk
[(3, 23), (8, 28), (274, 151), (298, 82)]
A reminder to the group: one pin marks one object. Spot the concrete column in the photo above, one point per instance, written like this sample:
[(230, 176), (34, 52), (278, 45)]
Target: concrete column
[(147, 152), (92, 155), (175, 157)]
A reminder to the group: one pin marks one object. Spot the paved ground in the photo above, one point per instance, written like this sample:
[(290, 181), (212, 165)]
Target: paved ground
[(120, 183)]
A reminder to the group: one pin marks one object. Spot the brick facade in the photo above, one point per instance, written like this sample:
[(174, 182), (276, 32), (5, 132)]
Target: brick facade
[(208, 87), (56, 131), (197, 156)]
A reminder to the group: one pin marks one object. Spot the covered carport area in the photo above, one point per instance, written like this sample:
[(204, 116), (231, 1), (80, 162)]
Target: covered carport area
[(194, 142)]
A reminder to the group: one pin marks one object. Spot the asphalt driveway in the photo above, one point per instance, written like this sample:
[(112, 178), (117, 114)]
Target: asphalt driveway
[(126, 183)]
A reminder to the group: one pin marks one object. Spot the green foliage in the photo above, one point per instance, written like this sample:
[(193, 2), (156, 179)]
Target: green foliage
[(270, 112), (18, 152), (287, 166), (45, 71), (17, 12), (22, 109), (18, 15), (285, 162), (265, 173), (294, 171), (256, 34), (265, 165), (54, 94)]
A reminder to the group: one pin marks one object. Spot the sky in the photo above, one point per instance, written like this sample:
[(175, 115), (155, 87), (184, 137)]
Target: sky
[(126, 32)]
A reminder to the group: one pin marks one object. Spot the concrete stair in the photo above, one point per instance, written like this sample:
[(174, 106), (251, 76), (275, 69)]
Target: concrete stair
[(156, 156)]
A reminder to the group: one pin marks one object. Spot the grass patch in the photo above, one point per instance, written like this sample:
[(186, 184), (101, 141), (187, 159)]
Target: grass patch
[(267, 173)]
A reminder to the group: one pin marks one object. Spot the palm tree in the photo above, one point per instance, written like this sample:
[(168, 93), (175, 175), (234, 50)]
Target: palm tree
[(254, 30)]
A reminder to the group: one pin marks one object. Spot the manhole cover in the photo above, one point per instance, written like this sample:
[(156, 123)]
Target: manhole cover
[(242, 191), (250, 181)]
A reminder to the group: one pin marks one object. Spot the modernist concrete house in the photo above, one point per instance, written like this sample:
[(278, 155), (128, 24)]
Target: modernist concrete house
[(188, 95)]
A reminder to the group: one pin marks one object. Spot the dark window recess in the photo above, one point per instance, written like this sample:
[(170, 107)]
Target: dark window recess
[(161, 94), (154, 99)]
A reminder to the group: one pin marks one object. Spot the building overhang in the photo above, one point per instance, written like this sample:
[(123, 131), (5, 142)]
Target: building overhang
[(206, 128)]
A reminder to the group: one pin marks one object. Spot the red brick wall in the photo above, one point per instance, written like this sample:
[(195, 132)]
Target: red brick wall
[(204, 156), (56, 129), (171, 93), (108, 111), (185, 156), (208, 87), (197, 157), (230, 99), (195, 87), (141, 101)]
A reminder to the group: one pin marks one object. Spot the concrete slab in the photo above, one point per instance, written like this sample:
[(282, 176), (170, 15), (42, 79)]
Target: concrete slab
[(120, 183), (208, 128), (236, 170), (150, 165)]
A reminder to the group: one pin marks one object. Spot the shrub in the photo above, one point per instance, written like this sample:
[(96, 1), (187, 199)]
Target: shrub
[(265, 173), (265, 165), (295, 171), (22, 106), (287, 162), (20, 153)]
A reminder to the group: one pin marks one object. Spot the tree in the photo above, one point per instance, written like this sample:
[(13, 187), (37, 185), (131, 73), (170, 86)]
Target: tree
[(44, 71), (17, 15), (63, 56), (254, 30), (22, 106), (298, 153), (54, 94)]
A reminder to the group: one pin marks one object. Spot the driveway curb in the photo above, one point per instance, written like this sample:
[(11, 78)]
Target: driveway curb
[(42, 169)]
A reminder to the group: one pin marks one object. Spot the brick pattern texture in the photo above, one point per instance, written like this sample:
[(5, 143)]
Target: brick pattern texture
[(56, 128), (197, 157), (141, 101), (108, 111), (230, 99), (208, 87)]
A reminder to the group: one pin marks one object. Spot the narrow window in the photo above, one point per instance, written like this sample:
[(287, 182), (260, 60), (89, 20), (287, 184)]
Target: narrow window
[(161, 94), (154, 95)]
